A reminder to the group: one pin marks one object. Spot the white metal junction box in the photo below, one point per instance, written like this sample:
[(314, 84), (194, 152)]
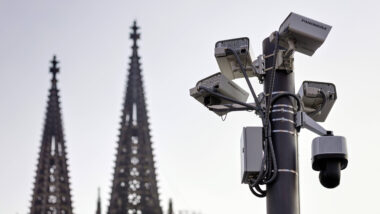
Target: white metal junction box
[(251, 152)]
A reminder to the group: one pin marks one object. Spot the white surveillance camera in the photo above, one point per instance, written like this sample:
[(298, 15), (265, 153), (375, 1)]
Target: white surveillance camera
[(305, 34), (227, 62), (220, 84), (317, 98)]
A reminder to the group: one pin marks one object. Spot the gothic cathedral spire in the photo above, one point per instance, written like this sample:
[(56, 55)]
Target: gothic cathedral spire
[(134, 186), (51, 192), (99, 204)]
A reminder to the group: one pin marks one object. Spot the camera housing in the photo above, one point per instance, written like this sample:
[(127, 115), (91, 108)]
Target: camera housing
[(227, 62), (306, 34), (317, 98), (218, 83), (329, 156)]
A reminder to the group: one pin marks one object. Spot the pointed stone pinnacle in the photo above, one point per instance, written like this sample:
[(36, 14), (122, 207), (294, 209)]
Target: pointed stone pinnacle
[(134, 35), (134, 185), (54, 69), (52, 137)]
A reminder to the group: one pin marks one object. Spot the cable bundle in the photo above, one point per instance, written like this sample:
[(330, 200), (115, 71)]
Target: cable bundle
[(268, 171)]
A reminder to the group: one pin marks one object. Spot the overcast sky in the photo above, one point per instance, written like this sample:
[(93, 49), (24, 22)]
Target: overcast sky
[(196, 153)]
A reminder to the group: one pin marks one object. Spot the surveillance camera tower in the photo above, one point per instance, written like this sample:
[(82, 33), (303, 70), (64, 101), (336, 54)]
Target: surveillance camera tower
[(269, 153)]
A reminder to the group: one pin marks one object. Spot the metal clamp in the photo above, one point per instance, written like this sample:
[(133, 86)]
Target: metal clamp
[(288, 170), (283, 110), (283, 119), (283, 105), (259, 67), (283, 131), (304, 121), (285, 61)]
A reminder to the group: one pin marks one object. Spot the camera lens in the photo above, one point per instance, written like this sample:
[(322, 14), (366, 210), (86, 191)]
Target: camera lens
[(211, 100), (329, 176)]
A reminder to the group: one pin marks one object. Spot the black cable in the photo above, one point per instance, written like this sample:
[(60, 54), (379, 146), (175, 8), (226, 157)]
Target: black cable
[(258, 188), (288, 94), (274, 161), (269, 161), (262, 175), (267, 126), (255, 193), (271, 83), (266, 174), (247, 80), (269, 131), (268, 164)]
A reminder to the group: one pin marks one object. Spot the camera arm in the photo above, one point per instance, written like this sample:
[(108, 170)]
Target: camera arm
[(329, 153), (304, 121), (232, 107)]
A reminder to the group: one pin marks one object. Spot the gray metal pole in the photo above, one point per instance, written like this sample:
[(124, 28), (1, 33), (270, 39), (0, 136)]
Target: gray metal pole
[(283, 193)]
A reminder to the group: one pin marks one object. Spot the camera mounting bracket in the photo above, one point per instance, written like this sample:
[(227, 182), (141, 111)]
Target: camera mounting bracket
[(304, 121), (285, 57)]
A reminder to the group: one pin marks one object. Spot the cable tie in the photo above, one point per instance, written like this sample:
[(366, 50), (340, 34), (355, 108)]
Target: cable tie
[(283, 105), (283, 131), (268, 56), (283, 110), (283, 119)]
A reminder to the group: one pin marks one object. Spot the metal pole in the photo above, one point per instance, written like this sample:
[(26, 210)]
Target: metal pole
[(283, 193)]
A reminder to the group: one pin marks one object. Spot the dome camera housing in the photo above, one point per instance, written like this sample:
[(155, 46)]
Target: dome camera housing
[(329, 156)]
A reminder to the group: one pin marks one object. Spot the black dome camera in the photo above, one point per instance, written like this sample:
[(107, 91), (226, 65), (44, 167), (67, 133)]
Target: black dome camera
[(329, 157)]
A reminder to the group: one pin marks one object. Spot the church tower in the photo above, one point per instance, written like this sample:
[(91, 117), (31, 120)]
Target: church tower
[(99, 204), (51, 192), (134, 186)]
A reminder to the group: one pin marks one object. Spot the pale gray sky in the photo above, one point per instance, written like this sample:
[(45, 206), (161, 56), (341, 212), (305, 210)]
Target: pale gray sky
[(197, 154)]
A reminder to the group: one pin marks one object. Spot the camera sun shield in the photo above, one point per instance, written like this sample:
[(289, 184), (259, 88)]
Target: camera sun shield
[(318, 98), (307, 34), (227, 62), (219, 83)]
